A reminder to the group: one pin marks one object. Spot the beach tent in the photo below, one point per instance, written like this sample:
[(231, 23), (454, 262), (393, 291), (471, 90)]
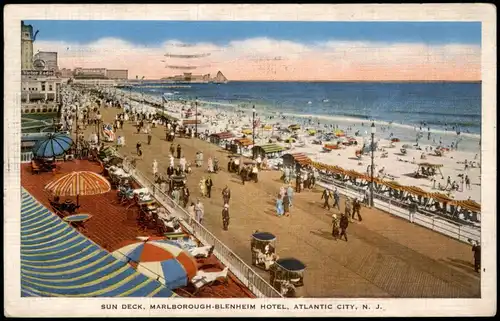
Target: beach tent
[(268, 150), (424, 169), (221, 137), (311, 131), (294, 127), (339, 133), (267, 127), (246, 131), (292, 159), (239, 143)]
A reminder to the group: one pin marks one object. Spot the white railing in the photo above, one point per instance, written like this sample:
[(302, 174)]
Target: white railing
[(253, 281), (431, 221), (26, 157)]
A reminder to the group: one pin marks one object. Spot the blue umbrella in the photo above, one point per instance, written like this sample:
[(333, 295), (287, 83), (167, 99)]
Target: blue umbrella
[(53, 145)]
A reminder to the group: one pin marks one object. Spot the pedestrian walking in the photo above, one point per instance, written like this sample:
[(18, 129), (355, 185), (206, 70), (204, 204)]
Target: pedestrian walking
[(225, 217), (289, 193), (172, 149), (226, 195), (199, 211), (348, 209), (476, 248), (209, 185), (179, 150), (344, 223), (326, 196), (335, 227), (279, 206), (336, 199), (155, 168), (467, 182), (185, 196), (413, 210), (138, 148), (286, 205), (356, 207), (149, 136)]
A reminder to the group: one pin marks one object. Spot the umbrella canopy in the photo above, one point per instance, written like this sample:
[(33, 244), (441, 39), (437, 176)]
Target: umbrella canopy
[(54, 145), (160, 259), (79, 183), (291, 264), (263, 236)]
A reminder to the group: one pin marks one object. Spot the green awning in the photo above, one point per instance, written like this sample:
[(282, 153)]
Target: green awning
[(271, 148)]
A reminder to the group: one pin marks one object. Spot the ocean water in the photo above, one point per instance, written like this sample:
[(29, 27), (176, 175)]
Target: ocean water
[(443, 108)]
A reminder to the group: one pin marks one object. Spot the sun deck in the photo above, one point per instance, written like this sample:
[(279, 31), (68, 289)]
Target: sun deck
[(112, 223)]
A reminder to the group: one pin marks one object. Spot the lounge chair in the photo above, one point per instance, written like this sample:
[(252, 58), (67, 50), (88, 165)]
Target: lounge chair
[(202, 278), (202, 251)]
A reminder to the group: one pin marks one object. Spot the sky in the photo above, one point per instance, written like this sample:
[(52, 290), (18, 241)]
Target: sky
[(290, 51)]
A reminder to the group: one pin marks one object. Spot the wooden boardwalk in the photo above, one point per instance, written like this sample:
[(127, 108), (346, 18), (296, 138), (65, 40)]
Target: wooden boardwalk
[(385, 256)]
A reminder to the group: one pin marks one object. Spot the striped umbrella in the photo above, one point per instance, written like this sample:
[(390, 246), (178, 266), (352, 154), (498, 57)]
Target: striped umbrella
[(160, 259), (54, 145), (79, 183)]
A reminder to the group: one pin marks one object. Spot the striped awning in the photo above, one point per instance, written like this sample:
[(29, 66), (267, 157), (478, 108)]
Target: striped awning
[(58, 261), (79, 183)]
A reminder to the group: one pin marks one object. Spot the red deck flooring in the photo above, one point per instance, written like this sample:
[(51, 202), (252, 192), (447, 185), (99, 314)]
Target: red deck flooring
[(111, 223)]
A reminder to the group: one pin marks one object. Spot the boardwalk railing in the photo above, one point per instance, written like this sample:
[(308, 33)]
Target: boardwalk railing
[(26, 157), (254, 282), (429, 220)]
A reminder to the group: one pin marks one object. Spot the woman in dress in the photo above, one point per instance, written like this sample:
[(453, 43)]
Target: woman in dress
[(155, 168), (203, 187), (282, 191), (210, 165), (286, 204), (279, 206)]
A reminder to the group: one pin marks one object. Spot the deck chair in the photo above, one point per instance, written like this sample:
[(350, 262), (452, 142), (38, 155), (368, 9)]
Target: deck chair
[(202, 278), (202, 251)]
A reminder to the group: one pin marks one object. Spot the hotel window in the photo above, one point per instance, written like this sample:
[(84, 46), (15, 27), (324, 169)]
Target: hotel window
[(50, 87), (43, 87)]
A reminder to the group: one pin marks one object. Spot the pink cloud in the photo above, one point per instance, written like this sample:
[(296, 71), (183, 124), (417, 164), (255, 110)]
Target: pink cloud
[(268, 59)]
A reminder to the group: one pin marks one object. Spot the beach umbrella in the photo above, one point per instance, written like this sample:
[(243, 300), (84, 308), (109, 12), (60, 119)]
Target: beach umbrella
[(159, 259), (54, 145), (78, 183)]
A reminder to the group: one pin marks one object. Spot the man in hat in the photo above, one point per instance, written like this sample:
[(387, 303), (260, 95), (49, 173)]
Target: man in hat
[(326, 196), (476, 248), (209, 185), (356, 209), (344, 223), (336, 199), (172, 149), (225, 217), (148, 130), (138, 148), (185, 195), (226, 195), (179, 149)]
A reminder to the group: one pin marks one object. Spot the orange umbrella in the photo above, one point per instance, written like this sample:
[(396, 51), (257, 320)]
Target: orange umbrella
[(79, 183)]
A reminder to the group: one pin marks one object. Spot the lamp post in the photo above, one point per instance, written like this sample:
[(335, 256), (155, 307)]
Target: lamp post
[(373, 131), (253, 124), (196, 118)]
